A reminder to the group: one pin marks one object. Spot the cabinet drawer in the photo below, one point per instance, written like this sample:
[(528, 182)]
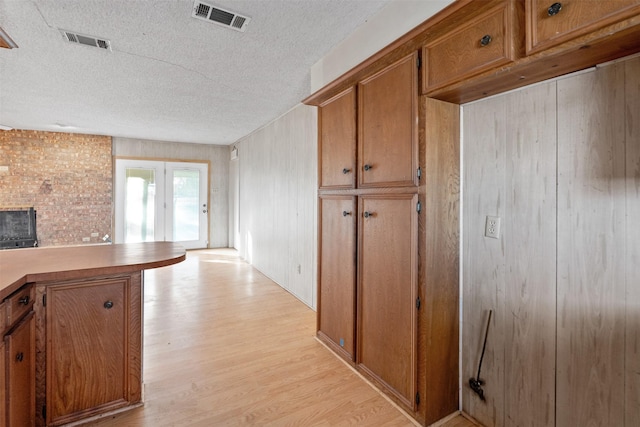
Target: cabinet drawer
[(550, 23), (20, 303), (484, 42)]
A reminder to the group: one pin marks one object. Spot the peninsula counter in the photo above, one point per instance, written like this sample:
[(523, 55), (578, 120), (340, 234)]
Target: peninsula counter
[(71, 319)]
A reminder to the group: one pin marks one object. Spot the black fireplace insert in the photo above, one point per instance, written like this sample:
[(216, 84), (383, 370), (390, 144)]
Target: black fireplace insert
[(18, 228)]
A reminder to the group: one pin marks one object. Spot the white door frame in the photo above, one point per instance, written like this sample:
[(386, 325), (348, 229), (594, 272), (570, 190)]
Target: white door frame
[(163, 224)]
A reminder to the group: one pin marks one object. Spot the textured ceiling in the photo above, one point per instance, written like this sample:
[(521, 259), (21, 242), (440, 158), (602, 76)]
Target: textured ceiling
[(169, 76)]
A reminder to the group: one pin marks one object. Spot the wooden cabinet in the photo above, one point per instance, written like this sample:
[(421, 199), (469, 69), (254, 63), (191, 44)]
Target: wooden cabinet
[(489, 40), (337, 141), (337, 274), (387, 290), (18, 359), (388, 126), (93, 337), (370, 238), (550, 23)]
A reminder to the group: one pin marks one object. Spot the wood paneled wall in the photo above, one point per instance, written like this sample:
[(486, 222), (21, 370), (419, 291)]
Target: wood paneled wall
[(278, 201), (218, 157), (559, 162)]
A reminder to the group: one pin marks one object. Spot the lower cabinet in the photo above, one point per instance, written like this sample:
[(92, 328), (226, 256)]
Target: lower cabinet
[(387, 291), (20, 373), (92, 348), (368, 287), (337, 274)]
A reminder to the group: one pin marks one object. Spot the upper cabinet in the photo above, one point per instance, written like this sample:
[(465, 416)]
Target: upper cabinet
[(368, 133), (485, 41), (551, 23), (388, 126), (337, 139)]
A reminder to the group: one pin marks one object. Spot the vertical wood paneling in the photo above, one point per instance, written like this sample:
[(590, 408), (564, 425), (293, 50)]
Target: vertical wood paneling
[(591, 249), (632, 355), (570, 205), (218, 157), (278, 203), (484, 150), (529, 233)]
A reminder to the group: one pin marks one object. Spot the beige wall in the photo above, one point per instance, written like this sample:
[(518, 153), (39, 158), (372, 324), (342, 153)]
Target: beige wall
[(559, 162), (217, 155), (393, 21), (277, 201)]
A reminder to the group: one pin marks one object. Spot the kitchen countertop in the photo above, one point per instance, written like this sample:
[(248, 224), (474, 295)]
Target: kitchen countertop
[(60, 263)]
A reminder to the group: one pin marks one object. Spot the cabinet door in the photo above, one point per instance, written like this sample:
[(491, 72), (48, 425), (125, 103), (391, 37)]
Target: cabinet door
[(336, 306), (550, 23), (3, 386), (337, 142), (487, 41), (387, 291), (87, 348), (388, 126), (21, 373)]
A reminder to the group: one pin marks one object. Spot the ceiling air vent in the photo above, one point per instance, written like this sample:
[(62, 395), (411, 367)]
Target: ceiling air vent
[(83, 39), (219, 16)]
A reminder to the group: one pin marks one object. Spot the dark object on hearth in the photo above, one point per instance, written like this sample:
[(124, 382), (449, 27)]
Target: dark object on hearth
[(18, 228)]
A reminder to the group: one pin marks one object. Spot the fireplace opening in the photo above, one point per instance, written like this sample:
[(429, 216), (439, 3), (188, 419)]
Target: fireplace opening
[(18, 228)]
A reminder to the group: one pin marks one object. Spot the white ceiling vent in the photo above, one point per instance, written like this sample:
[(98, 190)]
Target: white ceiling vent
[(83, 39), (219, 16)]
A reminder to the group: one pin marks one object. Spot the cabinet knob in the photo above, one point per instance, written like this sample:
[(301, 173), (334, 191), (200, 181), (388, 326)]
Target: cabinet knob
[(20, 357), (108, 305), (345, 213), (24, 300), (367, 167), (367, 214), (485, 40), (554, 9), (346, 171)]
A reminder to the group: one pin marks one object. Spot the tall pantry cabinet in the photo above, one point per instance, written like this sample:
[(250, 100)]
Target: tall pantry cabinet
[(380, 306)]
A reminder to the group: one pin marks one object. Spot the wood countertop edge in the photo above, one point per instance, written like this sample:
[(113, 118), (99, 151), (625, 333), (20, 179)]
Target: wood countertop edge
[(174, 254)]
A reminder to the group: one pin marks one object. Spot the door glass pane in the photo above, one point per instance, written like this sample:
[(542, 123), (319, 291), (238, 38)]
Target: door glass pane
[(186, 209), (140, 197)]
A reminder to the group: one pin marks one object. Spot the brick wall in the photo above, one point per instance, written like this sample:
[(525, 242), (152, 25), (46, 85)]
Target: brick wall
[(66, 177)]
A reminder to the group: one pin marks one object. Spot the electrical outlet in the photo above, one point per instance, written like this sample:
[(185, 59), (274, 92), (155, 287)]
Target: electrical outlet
[(95, 234), (86, 239), (492, 227)]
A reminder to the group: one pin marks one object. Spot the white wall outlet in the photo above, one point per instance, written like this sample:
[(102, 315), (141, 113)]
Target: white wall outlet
[(492, 227), (86, 239), (95, 234)]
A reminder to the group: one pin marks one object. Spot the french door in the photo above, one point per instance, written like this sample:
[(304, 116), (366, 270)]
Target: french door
[(161, 201)]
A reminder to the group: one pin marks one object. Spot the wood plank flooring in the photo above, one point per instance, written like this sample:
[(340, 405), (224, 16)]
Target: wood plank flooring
[(225, 346)]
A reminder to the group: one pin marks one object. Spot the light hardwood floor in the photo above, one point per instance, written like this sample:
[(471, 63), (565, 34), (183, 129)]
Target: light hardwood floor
[(225, 346)]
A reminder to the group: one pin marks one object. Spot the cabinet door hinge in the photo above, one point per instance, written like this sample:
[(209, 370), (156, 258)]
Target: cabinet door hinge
[(418, 207), (419, 173), (418, 303), (418, 62), (417, 398), (44, 300)]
